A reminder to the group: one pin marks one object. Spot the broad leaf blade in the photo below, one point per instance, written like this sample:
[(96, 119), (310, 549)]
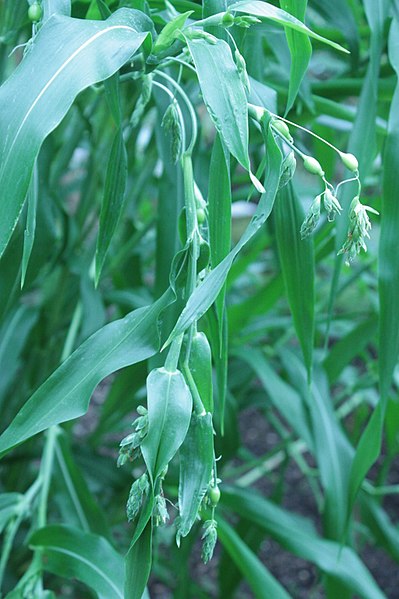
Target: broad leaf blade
[(32, 106), (113, 200), (296, 534), (66, 393), (297, 265), (71, 553), (196, 463), (262, 583), (300, 49), (267, 11), (169, 412), (224, 96)]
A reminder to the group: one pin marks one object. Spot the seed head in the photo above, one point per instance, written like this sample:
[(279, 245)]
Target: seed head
[(139, 488), (160, 512), (210, 538), (359, 227), (172, 124), (288, 169), (312, 218), (331, 204)]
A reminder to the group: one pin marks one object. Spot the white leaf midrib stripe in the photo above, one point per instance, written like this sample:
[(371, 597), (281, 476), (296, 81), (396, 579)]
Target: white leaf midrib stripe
[(53, 78), (87, 562)]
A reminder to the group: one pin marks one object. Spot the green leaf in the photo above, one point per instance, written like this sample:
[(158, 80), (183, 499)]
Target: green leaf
[(297, 535), (388, 284), (113, 200), (219, 208), (206, 293), (71, 553), (262, 583), (169, 411), (267, 11), (66, 393), (284, 398), (9, 507), (348, 347), (13, 336), (370, 443), (138, 565), (77, 503), (30, 227), (332, 449), (43, 100), (300, 49), (168, 34), (224, 96), (297, 265), (200, 365), (196, 463), (56, 7)]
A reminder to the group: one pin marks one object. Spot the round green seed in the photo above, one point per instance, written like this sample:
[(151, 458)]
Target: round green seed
[(201, 216), (35, 12), (350, 161), (282, 128), (313, 166), (214, 495)]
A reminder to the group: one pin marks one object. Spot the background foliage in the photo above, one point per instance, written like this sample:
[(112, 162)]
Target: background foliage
[(104, 138)]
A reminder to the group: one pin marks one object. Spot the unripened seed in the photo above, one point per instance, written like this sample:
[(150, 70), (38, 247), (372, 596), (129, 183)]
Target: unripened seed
[(313, 166)]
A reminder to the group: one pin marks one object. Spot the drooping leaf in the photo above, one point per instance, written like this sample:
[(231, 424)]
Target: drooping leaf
[(262, 583), (196, 463), (267, 11), (297, 535), (66, 393), (169, 411), (300, 49), (168, 34), (71, 553), (43, 100), (224, 96)]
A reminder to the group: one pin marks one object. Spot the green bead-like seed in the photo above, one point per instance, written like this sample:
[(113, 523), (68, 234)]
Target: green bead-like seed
[(313, 166), (35, 12), (281, 128), (214, 495), (350, 161), (227, 19), (201, 216)]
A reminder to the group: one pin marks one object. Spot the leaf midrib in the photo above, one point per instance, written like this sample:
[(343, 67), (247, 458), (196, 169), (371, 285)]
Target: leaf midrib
[(84, 560), (53, 78)]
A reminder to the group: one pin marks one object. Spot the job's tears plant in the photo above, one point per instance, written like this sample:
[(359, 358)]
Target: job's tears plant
[(128, 130)]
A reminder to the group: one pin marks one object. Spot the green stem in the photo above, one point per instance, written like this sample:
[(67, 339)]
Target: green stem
[(72, 332), (197, 401), (172, 359), (12, 527)]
